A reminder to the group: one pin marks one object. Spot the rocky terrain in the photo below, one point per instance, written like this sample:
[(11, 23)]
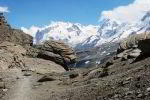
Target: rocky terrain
[(42, 72)]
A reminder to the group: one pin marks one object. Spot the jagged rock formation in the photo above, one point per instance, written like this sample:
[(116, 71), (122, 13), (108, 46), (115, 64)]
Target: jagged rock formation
[(56, 51), (58, 47)]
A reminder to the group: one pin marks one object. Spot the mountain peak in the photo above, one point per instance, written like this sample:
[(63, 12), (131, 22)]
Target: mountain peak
[(146, 16)]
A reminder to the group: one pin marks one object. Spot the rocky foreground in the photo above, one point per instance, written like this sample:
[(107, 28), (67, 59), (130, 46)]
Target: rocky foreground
[(41, 72)]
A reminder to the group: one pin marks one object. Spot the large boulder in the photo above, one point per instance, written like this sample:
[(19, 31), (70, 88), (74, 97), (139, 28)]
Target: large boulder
[(14, 56), (135, 45), (51, 56), (42, 66), (56, 51), (59, 47), (135, 41)]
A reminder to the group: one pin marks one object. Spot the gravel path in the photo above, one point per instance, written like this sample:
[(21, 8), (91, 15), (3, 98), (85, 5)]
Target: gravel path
[(21, 90)]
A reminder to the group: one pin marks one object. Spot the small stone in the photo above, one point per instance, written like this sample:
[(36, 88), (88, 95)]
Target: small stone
[(73, 75), (109, 63), (116, 96), (5, 90), (128, 79), (129, 93), (148, 94), (148, 89), (17, 78), (98, 73), (140, 95), (46, 79), (27, 74), (2, 85), (124, 58), (1, 79)]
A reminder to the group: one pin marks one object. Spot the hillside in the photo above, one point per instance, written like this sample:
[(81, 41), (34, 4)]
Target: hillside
[(41, 71)]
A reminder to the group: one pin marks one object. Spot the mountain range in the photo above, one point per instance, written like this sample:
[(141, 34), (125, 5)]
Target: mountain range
[(71, 33), (87, 36)]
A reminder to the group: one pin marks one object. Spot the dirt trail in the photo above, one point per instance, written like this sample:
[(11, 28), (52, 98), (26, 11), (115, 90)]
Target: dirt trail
[(21, 90)]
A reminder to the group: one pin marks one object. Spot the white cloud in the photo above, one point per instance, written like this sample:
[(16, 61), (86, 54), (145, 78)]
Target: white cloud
[(31, 31), (4, 9), (130, 13)]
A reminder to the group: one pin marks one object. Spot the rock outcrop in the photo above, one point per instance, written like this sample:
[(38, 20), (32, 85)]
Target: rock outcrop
[(13, 35), (11, 55), (14, 56), (56, 51), (135, 45), (59, 47), (17, 45), (17, 42)]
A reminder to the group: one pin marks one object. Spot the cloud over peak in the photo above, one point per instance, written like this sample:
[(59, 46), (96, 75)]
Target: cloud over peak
[(130, 13), (4, 9)]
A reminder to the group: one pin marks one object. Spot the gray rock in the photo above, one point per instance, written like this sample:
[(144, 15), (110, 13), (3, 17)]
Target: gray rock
[(140, 95), (41, 66), (56, 51), (134, 46), (46, 79), (60, 48), (148, 89), (53, 57), (71, 74), (129, 93), (135, 53), (97, 73), (50, 56), (2, 85), (27, 74), (140, 41)]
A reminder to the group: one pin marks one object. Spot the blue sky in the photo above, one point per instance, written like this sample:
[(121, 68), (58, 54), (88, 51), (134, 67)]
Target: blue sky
[(25, 13)]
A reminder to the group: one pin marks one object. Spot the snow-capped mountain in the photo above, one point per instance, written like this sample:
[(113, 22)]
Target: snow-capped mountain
[(81, 36), (71, 33)]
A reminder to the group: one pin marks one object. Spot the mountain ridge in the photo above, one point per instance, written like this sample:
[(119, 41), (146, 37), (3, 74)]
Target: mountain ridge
[(71, 33), (78, 35)]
